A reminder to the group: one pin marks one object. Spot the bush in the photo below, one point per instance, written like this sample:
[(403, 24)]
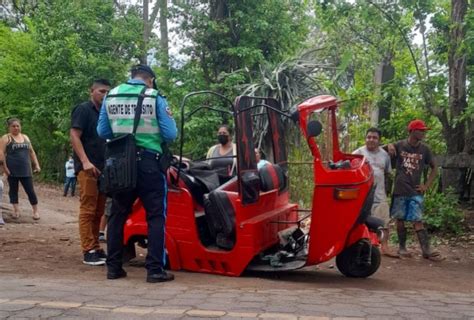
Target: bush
[(442, 214)]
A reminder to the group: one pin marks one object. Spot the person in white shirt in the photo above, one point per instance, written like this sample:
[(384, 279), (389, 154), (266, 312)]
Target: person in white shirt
[(260, 162), (380, 162), (70, 177)]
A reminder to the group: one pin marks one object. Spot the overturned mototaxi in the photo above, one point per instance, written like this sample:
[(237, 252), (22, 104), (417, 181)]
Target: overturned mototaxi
[(246, 222)]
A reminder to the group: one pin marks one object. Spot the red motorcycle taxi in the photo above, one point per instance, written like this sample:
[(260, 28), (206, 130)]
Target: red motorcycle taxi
[(226, 225)]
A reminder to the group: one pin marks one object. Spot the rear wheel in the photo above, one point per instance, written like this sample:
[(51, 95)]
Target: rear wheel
[(350, 264)]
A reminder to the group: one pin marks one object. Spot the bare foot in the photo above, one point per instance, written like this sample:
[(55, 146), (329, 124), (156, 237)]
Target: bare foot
[(404, 254), (16, 215), (36, 216), (390, 253)]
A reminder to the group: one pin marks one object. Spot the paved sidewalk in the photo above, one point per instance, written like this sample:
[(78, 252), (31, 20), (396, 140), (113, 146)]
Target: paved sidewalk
[(130, 299)]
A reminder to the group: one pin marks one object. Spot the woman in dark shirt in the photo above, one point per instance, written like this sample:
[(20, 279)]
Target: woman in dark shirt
[(18, 154)]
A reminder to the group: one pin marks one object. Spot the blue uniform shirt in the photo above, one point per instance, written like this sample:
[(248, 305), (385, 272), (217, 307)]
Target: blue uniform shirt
[(166, 123)]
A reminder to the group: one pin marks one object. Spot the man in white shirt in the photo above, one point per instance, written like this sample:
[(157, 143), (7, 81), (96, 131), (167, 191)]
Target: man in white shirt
[(380, 162), (70, 180)]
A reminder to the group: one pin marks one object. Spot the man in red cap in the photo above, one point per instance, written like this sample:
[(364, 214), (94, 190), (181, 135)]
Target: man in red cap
[(411, 156)]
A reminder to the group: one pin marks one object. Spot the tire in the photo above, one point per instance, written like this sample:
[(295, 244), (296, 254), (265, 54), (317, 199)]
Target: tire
[(347, 264)]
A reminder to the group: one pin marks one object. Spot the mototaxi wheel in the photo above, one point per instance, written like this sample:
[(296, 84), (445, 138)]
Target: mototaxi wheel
[(349, 265)]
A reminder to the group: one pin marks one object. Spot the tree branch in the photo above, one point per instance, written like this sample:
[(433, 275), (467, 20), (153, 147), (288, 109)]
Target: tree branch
[(154, 14), (428, 99)]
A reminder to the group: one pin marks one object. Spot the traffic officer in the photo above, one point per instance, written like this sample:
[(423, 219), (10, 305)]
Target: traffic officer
[(155, 127)]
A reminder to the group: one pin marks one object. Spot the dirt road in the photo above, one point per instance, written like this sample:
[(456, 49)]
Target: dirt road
[(50, 249)]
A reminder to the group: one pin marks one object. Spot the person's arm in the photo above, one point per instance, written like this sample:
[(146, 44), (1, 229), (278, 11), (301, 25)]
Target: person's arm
[(388, 178), (166, 122), (431, 177), (391, 148), (3, 149), (357, 151), (210, 151), (78, 120), (103, 125), (34, 158), (75, 135)]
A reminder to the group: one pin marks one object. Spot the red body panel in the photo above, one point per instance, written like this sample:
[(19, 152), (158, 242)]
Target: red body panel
[(256, 231), (333, 221)]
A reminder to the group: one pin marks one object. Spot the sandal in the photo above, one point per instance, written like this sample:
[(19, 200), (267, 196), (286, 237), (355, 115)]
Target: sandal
[(391, 254), (434, 256), (36, 216), (15, 215)]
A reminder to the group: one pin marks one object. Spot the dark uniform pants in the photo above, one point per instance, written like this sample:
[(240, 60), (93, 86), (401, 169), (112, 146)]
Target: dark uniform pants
[(151, 189)]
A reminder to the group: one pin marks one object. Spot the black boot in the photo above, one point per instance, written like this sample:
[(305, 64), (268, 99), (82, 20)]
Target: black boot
[(424, 240), (402, 237), (402, 241)]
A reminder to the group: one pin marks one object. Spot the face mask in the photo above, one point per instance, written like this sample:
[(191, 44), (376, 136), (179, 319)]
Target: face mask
[(223, 139)]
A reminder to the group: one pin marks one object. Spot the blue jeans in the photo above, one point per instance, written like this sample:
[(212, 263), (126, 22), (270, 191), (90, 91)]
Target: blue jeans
[(70, 182)]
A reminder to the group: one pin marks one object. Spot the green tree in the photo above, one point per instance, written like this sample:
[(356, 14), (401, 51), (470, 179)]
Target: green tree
[(232, 35), (48, 68)]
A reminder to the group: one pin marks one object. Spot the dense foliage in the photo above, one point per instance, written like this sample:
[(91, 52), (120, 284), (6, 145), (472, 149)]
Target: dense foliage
[(51, 50), (48, 68)]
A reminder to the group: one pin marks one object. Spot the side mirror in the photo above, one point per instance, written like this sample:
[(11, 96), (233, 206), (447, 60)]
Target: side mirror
[(314, 128)]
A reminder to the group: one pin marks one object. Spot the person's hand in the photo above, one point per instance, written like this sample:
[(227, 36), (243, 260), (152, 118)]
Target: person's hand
[(392, 151), (37, 169), (421, 188), (90, 168)]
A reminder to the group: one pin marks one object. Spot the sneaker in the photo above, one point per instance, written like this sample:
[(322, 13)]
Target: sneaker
[(2, 222), (162, 276), (102, 237), (102, 255), (116, 275), (92, 258)]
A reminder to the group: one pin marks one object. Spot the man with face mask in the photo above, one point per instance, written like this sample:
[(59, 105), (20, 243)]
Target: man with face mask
[(221, 156)]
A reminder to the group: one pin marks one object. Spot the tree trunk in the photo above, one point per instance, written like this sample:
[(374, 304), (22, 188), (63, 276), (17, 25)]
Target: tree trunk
[(164, 50), (146, 33), (218, 10), (469, 145), (455, 131), (385, 73)]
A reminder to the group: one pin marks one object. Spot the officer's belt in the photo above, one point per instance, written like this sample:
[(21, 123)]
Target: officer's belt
[(147, 153)]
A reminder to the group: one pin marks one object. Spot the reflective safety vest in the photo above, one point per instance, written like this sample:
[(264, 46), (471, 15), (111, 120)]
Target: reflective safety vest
[(120, 105)]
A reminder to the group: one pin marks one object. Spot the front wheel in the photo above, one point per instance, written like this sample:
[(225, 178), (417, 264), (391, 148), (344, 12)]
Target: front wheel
[(351, 262)]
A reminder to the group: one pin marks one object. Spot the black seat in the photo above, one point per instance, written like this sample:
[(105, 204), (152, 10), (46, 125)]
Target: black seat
[(271, 177), (374, 223), (220, 216), (199, 180), (196, 189)]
